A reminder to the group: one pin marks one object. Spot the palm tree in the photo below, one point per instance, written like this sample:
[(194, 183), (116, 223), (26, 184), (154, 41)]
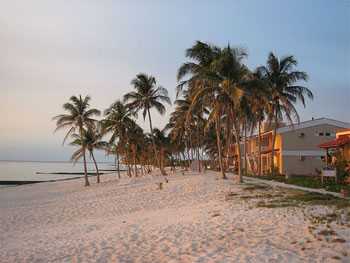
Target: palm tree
[(91, 141), (146, 96), (281, 75), (115, 149), (259, 98), (218, 76), (163, 144), (79, 116), (116, 121), (134, 138)]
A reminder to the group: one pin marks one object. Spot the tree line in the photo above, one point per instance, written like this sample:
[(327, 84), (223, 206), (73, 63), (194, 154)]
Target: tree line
[(218, 101)]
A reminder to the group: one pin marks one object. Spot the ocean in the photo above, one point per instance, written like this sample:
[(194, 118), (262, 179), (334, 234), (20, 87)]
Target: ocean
[(47, 171)]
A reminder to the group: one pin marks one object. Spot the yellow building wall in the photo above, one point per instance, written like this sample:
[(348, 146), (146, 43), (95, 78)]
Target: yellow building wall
[(346, 152), (278, 155)]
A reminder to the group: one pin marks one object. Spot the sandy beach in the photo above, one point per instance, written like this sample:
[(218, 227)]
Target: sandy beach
[(194, 218)]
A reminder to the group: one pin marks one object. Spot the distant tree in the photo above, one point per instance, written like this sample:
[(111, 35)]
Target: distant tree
[(91, 141), (146, 96), (79, 116), (116, 121)]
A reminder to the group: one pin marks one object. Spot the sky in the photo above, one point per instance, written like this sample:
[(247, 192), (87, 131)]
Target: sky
[(51, 50)]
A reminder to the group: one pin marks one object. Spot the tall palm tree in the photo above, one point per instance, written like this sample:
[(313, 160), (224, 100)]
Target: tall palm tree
[(281, 76), (91, 141), (218, 75), (146, 96), (79, 116), (259, 98)]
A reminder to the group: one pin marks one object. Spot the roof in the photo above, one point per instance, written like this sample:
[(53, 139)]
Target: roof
[(335, 143), (312, 123), (344, 130)]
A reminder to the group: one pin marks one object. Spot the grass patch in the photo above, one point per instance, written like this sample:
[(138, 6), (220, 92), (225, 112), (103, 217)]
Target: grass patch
[(319, 199), (276, 205), (256, 187), (327, 232), (230, 196)]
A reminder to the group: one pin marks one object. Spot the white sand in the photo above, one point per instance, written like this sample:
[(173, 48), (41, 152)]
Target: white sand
[(190, 220)]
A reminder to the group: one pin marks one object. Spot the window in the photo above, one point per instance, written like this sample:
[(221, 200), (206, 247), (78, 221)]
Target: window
[(328, 134), (319, 134)]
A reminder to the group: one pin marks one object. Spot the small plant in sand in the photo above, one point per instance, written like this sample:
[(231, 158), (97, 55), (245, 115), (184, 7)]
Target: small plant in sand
[(215, 215), (160, 186), (230, 196), (327, 232), (256, 187), (166, 180)]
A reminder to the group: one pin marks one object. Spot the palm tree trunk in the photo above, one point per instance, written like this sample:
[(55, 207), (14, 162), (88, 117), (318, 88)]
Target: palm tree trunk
[(184, 161), (239, 178), (218, 126), (273, 139), (198, 165), (188, 156), (97, 173), (154, 143), (127, 162), (118, 168), (259, 149), (245, 147), (134, 158), (84, 158), (228, 139)]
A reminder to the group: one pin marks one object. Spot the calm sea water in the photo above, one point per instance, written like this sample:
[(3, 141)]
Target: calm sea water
[(28, 171)]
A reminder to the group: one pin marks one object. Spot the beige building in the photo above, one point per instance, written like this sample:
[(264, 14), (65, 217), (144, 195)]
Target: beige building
[(296, 150)]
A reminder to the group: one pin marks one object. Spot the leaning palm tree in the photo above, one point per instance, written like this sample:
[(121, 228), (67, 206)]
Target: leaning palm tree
[(91, 141), (281, 75), (146, 96), (79, 116)]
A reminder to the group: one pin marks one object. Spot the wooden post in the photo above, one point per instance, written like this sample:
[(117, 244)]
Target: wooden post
[(326, 157)]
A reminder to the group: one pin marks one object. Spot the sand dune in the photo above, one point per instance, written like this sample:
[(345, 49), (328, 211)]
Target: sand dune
[(189, 220)]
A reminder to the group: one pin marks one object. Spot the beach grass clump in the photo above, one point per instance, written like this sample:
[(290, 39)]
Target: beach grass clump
[(230, 196), (160, 186), (256, 187), (276, 204), (329, 218), (327, 232), (246, 197)]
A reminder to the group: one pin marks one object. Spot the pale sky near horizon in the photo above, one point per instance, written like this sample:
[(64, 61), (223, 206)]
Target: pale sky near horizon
[(50, 50)]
